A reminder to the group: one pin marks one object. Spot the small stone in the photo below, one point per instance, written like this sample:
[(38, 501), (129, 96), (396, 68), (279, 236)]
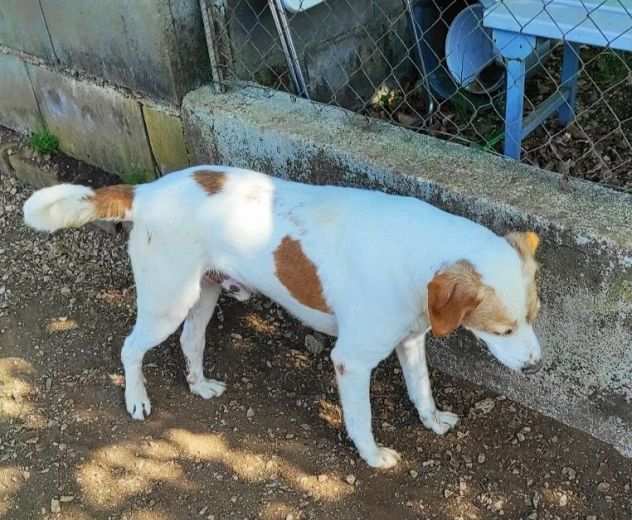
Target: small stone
[(570, 473), (313, 344), (202, 511), (486, 405), (250, 413), (520, 437), (413, 473), (233, 500), (603, 487), (481, 458), (66, 498), (350, 479), (563, 500), (54, 506), (289, 516), (322, 478), (591, 517), (289, 436), (65, 291), (447, 493)]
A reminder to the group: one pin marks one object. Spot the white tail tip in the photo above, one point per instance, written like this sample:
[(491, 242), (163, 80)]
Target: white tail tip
[(60, 206)]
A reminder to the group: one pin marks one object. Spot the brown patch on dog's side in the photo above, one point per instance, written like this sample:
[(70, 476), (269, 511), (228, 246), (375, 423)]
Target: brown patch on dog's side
[(527, 244), (299, 275), (211, 181), (113, 202)]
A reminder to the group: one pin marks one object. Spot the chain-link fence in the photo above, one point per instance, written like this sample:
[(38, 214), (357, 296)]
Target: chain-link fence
[(442, 66)]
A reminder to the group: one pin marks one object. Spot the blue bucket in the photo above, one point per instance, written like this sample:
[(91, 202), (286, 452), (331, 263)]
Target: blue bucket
[(471, 57)]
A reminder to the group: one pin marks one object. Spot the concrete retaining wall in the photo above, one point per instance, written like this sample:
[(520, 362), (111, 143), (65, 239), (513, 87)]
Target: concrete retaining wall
[(586, 256), (90, 71)]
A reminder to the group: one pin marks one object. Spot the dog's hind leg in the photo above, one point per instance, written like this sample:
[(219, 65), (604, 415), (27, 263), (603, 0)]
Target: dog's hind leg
[(192, 342), (167, 288), (149, 331)]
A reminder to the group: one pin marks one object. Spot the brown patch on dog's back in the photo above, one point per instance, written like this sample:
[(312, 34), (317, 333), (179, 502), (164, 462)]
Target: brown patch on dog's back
[(299, 275), (113, 202), (211, 181)]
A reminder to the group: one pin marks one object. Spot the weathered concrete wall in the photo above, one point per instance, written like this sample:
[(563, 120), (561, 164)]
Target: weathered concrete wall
[(23, 28), (64, 63), (98, 124), (346, 50), (18, 105), (586, 276), (154, 47)]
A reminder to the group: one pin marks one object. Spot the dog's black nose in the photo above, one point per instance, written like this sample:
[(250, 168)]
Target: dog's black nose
[(532, 369)]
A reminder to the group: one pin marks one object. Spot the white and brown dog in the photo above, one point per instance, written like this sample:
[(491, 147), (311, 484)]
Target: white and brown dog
[(377, 271)]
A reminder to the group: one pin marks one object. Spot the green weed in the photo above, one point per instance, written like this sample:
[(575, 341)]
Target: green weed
[(44, 142)]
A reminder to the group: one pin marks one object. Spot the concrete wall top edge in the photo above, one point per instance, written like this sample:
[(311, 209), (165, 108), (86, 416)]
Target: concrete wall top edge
[(588, 209)]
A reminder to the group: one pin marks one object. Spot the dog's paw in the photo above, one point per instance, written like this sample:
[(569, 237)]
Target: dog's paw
[(137, 402), (382, 458), (207, 388), (440, 422)]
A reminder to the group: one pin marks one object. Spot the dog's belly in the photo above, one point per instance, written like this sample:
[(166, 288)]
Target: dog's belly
[(317, 320), (325, 323)]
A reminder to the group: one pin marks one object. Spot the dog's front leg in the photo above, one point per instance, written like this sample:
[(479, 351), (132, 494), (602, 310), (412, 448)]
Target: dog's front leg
[(412, 357), (354, 379)]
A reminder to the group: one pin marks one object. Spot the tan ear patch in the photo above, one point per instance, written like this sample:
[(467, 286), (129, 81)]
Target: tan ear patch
[(113, 202), (299, 275), (525, 242), (210, 181), (452, 296)]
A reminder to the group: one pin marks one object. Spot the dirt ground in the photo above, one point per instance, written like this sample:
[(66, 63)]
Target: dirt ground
[(272, 446)]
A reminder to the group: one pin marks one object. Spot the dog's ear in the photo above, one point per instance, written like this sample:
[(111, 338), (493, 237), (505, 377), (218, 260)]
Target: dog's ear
[(451, 297), (525, 242)]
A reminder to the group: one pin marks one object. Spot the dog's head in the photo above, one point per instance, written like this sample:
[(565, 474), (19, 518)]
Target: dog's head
[(496, 299)]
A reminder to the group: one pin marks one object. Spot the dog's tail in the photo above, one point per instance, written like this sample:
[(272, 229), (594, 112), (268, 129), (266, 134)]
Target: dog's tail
[(70, 205)]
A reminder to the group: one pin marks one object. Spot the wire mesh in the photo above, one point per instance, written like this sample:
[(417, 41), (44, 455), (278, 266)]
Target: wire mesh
[(406, 62)]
